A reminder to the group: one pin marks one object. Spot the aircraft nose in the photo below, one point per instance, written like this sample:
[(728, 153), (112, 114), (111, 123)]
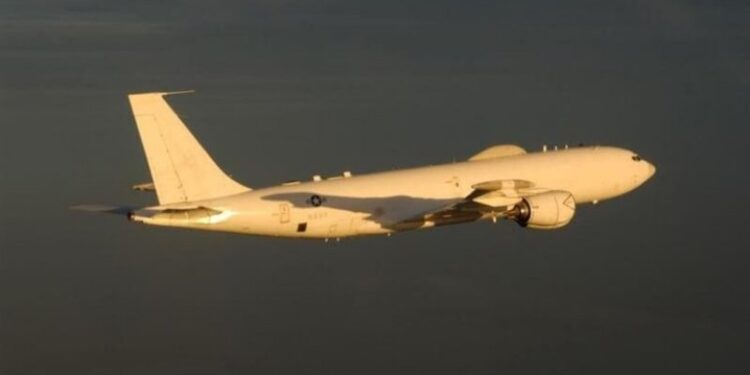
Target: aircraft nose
[(651, 170)]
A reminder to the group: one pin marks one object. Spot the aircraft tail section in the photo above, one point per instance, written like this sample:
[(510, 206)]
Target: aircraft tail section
[(181, 169)]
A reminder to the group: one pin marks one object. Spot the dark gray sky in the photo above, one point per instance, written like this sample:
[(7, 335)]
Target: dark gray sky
[(653, 282)]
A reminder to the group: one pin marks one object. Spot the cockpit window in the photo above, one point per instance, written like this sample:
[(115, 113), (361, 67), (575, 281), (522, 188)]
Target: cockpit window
[(636, 158)]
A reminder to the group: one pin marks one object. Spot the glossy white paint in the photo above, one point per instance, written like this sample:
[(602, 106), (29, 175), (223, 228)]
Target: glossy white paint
[(497, 182)]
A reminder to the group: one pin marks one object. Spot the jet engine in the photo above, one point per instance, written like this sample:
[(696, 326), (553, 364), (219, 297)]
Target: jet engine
[(550, 210)]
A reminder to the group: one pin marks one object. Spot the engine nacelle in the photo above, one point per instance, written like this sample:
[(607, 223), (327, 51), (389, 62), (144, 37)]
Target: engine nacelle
[(550, 210)]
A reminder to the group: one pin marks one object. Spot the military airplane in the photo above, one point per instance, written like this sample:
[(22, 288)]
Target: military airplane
[(538, 190)]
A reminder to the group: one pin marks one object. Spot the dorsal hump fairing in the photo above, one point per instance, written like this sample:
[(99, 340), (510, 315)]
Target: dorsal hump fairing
[(498, 151), (181, 169)]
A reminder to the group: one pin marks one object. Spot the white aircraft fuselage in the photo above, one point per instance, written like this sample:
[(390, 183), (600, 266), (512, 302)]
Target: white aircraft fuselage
[(539, 189), (380, 203)]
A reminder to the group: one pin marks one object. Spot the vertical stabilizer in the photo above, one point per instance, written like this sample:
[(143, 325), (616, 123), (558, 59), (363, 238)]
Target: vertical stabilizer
[(181, 169)]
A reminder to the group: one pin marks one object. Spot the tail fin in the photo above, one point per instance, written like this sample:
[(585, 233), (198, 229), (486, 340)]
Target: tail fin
[(181, 169)]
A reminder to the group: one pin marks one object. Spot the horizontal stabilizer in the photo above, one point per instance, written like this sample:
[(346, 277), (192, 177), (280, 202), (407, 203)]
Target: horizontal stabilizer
[(179, 216), (105, 209), (146, 186)]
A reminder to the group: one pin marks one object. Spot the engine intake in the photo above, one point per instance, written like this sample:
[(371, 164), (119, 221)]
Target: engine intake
[(550, 210)]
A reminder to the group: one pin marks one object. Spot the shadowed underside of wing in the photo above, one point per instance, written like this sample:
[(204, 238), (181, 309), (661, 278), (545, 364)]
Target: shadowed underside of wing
[(490, 198)]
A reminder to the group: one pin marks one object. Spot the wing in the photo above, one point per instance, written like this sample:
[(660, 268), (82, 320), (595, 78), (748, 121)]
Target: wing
[(488, 199), (502, 193)]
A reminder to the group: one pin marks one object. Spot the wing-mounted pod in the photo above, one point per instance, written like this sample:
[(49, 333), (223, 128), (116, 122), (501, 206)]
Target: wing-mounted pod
[(549, 210)]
